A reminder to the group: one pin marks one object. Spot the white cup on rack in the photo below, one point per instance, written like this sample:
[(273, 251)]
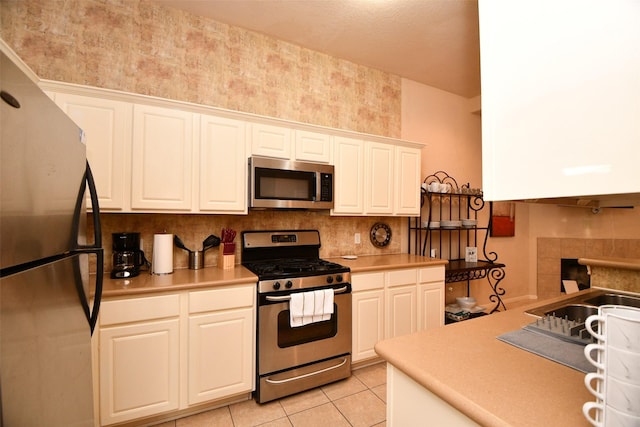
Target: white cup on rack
[(619, 324), (616, 355), (621, 395)]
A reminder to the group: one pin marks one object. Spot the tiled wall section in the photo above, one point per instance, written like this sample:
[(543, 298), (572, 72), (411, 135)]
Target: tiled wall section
[(336, 233), (551, 250), (142, 47)]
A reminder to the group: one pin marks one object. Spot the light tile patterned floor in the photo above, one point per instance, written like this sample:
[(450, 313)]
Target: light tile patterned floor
[(358, 401)]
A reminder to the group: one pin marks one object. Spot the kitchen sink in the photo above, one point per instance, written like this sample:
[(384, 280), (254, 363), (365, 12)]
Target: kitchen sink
[(616, 299), (584, 305), (565, 319)]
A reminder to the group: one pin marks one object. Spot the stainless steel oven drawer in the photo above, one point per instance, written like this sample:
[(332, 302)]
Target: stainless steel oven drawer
[(303, 378)]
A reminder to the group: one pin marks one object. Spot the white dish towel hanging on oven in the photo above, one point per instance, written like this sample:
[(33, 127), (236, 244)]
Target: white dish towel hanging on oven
[(310, 307)]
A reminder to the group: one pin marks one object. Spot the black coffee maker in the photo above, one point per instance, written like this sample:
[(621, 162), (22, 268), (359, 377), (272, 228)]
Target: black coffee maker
[(127, 256)]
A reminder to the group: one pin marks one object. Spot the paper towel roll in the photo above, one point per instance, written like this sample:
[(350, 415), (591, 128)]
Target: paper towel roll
[(162, 262)]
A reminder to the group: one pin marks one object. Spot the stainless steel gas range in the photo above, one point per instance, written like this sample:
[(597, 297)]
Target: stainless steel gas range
[(304, 313)]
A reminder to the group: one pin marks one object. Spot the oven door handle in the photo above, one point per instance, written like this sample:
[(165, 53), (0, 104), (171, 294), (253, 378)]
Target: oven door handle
[(288, 297), (299, 377)]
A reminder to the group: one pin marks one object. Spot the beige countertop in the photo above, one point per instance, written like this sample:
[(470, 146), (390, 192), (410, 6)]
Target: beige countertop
[(612, 262), (178, 280), (492, 382), (383, 262), (182, 279)]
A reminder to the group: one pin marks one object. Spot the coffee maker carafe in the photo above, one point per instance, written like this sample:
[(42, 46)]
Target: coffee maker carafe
[(127, 256)]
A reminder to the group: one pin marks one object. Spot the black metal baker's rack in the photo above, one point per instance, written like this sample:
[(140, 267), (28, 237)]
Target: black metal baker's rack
[(450, 203)]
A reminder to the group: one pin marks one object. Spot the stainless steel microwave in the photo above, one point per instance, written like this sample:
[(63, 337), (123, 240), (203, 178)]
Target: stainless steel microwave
[(275, 183)]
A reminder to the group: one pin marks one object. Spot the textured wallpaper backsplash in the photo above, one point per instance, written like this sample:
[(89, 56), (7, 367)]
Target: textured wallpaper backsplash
[(336, 233), (142, 47)]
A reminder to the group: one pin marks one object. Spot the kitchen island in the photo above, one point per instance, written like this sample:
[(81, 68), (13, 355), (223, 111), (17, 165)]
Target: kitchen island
[(461, 374)]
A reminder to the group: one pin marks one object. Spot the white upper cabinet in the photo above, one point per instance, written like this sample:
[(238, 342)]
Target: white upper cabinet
[(379, 178), (349, 176), (560, 91), (312, 146), (407, 181), (374, 178), (107, 129), (270, 141), (223, 165), (162, 158)]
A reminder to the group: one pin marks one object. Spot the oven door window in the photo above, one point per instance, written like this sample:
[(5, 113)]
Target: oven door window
[(289, 337), (279, 184)]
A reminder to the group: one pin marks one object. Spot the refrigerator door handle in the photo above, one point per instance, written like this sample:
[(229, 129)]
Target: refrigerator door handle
[(96, 248)]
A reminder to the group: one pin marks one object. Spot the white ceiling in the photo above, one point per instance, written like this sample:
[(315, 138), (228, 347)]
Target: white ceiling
[(434, 42)]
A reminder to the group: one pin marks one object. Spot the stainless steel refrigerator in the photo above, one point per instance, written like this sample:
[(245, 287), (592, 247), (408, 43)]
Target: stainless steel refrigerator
[(48, 305)]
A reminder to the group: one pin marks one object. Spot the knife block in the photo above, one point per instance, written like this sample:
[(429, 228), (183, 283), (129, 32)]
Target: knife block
[(228, 260)]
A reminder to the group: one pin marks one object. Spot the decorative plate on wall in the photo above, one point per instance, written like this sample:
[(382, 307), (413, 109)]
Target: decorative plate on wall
[(380, 234)]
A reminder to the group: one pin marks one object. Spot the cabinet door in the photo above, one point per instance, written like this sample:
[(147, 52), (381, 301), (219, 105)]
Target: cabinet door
[(162, 158), (430, 306), (368, 323), (270, 141), (223, 165), (221, 357), (139, 370), (401, 316), (107, 129), (312, 146), (379, 178), (548, 126), (431, 298), (407, 181), (348, 161)]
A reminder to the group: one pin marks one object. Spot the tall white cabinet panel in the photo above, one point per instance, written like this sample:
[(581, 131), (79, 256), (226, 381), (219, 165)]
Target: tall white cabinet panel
[(430, 298), (223, 165), (560, 116), (367, 314), (348, 161), (401, 297), (107, 128), (378, 182), (368, 323), (270, 141), (407, 181), (220, 354), (312, 146), (162, 158), (139, 370)]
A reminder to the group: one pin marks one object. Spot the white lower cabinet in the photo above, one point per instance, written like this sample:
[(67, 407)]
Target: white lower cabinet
[(367, 314), (430, 298), (155, 350), (221, 355), (139, 358), (401, 298), (392, 303)]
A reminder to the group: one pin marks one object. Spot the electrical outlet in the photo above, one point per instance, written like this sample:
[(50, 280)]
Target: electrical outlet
[(356, 238)]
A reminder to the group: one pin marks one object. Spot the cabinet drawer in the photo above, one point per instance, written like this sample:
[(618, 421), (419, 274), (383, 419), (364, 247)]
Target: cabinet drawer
[(139, 309), (402, 277), (221, 299), (432, 274), (367, 281)]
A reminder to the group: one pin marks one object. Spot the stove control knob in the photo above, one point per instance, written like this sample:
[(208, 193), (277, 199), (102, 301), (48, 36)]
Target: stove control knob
[(289, 284), (339, 278), (329, 279), (276, 286)]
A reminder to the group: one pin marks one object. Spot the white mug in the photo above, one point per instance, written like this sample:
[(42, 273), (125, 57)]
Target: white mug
[(598, 408), (623, 365), (600, 350), (623, 396), (598, 391)]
